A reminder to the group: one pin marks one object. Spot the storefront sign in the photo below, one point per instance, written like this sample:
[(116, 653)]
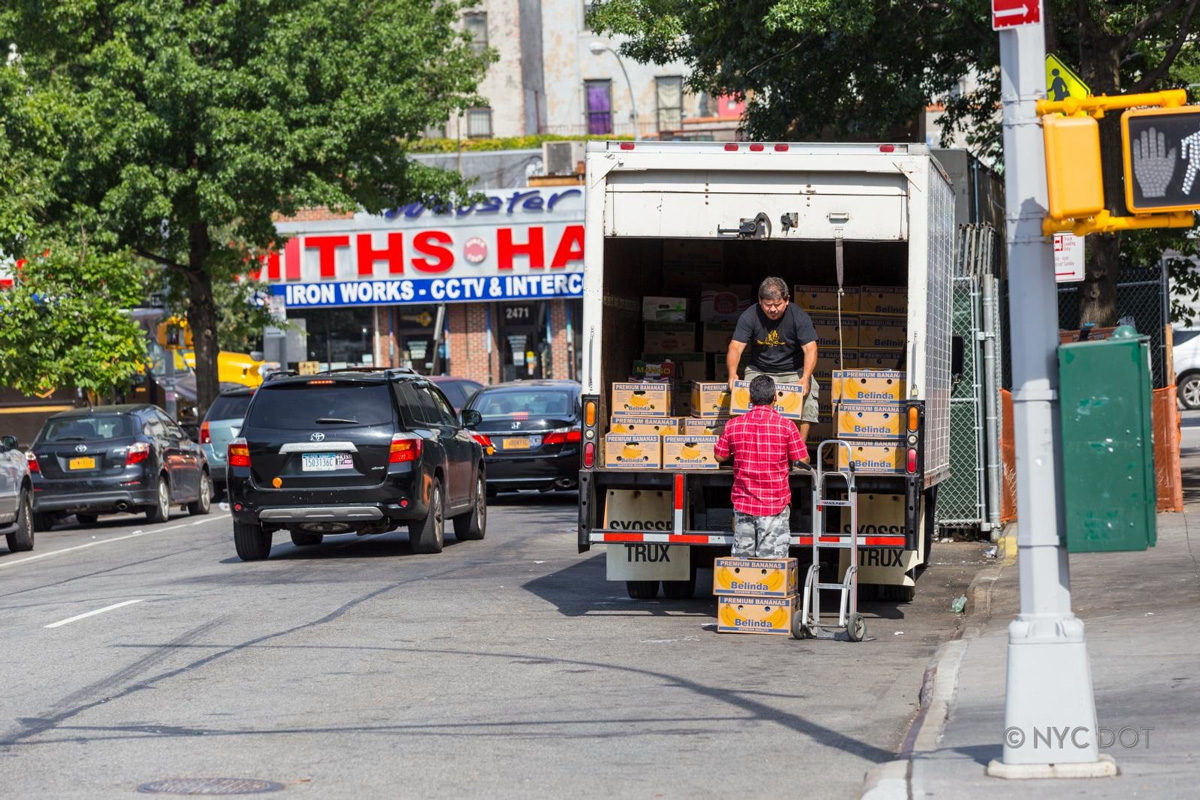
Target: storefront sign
[(429, 290)]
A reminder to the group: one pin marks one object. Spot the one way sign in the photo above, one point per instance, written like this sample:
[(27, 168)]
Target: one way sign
[(1011, 13)]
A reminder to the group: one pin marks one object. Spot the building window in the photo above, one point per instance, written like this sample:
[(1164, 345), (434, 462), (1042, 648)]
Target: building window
[(479, 123), (476, 25), (669, 96), (599, 106)]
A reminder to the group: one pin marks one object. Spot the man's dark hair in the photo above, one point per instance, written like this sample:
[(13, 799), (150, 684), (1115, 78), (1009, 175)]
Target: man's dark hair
[(762, 391), (772, 289)]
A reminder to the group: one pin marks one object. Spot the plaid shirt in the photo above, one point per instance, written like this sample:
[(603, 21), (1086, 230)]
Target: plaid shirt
[(763, 445)]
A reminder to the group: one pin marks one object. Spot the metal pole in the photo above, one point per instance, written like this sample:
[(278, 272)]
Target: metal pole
[(990, 404), (1049, 681)]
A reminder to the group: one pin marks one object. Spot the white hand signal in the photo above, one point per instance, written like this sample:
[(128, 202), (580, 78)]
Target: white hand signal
[(1190, 150), (1153, 165)]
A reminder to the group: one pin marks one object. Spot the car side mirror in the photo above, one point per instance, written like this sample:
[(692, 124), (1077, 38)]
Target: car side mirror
[(10, 442), (471, 417)]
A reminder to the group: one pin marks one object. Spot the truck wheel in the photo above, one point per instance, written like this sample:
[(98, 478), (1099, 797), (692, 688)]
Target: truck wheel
[(251, 541), (21, 539), (928, 523), (473, 524), (428, 535), (161, 510), (680, 590), (642, 590), (204, 502), (856, 627), (302, 539)]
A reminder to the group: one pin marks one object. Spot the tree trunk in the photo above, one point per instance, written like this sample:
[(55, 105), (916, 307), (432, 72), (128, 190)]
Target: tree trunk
[(202, 318)]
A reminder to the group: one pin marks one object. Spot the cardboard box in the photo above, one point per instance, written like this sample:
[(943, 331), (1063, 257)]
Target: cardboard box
[(789, 399), (653, 370), (689, 452), (825, 298), (716, 336), (632, 451), (755, 577), (664, 309), (631, 423), (870, 421), (882, 333), (867, 386), (670, 337), (720, 372), (885, 300), (881, 456), (880, 359), (687, 366), (723, 302), (772, 615), (644, 398), (710, 399), (819, 431), (702, 426), (827, 362), (826, 326), (683, 401)]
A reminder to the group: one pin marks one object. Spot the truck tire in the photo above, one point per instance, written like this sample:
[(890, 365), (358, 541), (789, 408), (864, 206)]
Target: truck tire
[(642, 590), (473, 524), (928, 522), (203, 503), (302, 539), (251, 541), (21, 539), (428, 535)]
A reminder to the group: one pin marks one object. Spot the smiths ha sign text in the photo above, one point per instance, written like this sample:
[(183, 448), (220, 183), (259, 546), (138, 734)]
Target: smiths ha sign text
[(528, 243)]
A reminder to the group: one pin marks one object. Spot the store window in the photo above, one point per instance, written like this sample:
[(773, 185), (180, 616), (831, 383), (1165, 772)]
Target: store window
[(479, 123), (526, 348), (669, 96), (415, 328), (476, 25), (339, 337), (599, 106)]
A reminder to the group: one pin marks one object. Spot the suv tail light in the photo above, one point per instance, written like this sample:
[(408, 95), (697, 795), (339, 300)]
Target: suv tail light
[(34, 466), (562, 436), (137, 453), (205, 436), (405, 447), (238, 454)]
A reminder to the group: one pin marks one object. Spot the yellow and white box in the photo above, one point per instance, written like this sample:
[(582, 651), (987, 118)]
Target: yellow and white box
[(889, 300), (723, 302), (716, 336), (710, 399), (867, 386), (772, 615), (789, 399), (643, 398), (826, 326), (670, 337), (689, 452), (882, 333), (828, 361), (825, 298), (664, 309), (870, 421), (688, 366), (883, 456), (628, 423), (757, 577), (877, 359), (632, 451), (702, 426)]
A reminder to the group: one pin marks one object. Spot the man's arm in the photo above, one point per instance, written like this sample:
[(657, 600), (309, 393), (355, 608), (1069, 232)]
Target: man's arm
[(721, 451), (733, 357), (797, 450)]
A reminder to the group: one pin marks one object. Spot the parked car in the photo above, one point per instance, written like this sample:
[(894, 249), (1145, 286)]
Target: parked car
[(1186, 354), (457, 390), (221, 425), (354, 452), (534, 428), (16, 496), (110, 459)]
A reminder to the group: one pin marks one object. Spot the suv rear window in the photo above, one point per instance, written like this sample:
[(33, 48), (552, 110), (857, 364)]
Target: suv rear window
[(87, 429), (229, 406), (293, 406)]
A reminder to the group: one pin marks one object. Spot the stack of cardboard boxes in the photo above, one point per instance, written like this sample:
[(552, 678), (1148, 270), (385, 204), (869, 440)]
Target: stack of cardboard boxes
[(756, 595)]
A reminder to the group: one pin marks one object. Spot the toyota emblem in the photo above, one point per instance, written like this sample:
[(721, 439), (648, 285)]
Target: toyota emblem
[(81, 448), (317, 437)]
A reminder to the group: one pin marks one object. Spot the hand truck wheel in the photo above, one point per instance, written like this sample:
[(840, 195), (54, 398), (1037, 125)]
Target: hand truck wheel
[(856, 627), (799, 629)]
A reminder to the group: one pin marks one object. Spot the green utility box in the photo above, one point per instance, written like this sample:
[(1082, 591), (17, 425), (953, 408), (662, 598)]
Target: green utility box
[(1104, 391)]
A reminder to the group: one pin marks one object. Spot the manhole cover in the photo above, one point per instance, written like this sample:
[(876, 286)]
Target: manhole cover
[(210, 786)]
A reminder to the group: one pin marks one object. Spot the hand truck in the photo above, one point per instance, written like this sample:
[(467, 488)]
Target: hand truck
[(807, 624)]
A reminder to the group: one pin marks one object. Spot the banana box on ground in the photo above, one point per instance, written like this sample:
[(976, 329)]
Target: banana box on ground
[(870, 421), (882, 333), (867, 386), (642, 398), (826, 326), (702, 426), (631, 423), (632, 451), (825, 298), (888, 300), (772, 615), (789, 399), (710, 399), (689, 452), (755, 577), (873, 456)]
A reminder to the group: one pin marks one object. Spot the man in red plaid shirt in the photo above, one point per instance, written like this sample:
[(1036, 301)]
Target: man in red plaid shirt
[(763, 446)]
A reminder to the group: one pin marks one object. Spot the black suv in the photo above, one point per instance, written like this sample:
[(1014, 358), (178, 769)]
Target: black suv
[(354, 452)]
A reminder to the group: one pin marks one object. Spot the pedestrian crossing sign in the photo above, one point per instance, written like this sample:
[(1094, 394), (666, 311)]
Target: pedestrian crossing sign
[(1061, 82)]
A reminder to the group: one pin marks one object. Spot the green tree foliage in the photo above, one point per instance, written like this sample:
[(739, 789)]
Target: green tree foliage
[(160, 123), (862, 70)]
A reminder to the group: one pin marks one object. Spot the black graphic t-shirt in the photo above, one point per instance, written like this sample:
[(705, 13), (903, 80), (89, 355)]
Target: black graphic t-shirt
[(775, 345)]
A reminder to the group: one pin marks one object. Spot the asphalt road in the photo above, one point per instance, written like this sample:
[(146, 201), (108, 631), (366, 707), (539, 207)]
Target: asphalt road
[(135, 653)]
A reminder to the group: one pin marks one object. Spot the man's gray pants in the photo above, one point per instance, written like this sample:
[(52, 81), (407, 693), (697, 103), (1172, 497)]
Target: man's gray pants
[(761, 537)]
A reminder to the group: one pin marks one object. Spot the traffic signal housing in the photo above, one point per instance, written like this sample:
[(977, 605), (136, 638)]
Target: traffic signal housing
[(1161, 151), (1073, 174)]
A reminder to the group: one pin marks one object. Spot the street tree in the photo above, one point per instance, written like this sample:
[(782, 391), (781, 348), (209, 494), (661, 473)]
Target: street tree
[(861, 70), (179, 119)]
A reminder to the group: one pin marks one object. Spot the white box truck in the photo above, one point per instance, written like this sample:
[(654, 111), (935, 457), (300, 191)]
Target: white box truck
[(664, 218)]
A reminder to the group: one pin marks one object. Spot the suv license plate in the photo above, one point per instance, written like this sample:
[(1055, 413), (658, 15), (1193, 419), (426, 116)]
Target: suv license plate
[(326, 462)]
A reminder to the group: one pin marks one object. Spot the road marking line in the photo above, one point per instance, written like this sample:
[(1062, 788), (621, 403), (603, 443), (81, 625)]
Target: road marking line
[(94, 613), (133, 535)]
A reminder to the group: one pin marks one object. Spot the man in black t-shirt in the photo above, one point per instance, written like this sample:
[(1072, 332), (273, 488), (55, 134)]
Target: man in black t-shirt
[(783, 344)]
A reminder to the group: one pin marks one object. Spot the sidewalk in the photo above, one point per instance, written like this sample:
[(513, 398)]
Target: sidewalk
[(1142, 617)]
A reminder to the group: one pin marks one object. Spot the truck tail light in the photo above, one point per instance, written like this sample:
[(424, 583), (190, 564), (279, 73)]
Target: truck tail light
[(405, 447), (137, 453), (563, 436), (589, 454), (911, 461), (914, 416), (589, 413), (34, 466), (238, 454), (205, 436)]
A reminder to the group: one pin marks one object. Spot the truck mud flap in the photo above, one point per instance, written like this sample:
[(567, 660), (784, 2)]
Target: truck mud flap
[(586, 499)]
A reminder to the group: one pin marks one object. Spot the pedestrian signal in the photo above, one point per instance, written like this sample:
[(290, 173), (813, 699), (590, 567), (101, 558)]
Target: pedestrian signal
[(1161, 151), (174, 333), (1073, 176)]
